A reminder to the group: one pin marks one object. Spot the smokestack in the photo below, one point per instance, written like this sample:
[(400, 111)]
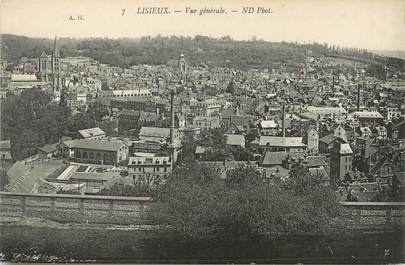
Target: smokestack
[(172, 145), (358, 97), (283, 121)]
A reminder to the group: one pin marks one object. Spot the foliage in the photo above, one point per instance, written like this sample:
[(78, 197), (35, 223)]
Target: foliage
[(3, 178), (159, 50), (198, 204), (31, 120), (121, 189), (377, 70)]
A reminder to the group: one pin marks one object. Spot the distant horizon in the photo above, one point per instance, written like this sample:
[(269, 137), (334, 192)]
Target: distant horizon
[(192, 37)]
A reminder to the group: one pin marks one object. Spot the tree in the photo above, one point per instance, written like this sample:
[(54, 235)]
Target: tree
[(197, 204), (121, 189), (31, 120), (3, 178)]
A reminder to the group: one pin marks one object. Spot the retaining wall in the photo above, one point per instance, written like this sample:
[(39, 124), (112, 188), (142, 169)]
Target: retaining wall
[(129, 210)]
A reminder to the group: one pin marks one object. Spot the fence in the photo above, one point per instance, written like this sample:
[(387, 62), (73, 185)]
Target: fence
[(128, 210)]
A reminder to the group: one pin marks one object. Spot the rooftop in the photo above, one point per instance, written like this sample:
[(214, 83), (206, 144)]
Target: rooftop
[(281, 141), (86, 133), (104, 145)]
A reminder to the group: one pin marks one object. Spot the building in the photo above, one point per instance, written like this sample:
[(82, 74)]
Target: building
[(393, 113), (311, 139), (235, 140), (151, 171), (368, 117), (105, 152), (206, 107), (278, 143), (268, 127), (206, 122), (92, 133), (380, 132), (327, 142), (160, 135), (338, 131), (5, 150), (105, 96), (340, 162), (49, 68), (47, 151)]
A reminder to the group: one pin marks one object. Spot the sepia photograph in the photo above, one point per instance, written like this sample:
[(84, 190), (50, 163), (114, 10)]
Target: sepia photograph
[(202, 132)]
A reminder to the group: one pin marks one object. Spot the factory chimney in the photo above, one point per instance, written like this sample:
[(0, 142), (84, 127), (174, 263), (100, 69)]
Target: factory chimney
[(283, 120), (172, 144), (358, 97)]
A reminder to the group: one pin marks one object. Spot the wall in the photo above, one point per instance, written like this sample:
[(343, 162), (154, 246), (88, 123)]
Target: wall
[(75, 208), (129, 210)]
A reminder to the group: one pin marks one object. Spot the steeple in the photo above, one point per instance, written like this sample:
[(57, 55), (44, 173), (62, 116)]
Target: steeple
[(55, 51), (182, 68)]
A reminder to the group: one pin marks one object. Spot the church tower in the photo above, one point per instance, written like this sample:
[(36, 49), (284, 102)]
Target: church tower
[(43, 66), (182, 68)]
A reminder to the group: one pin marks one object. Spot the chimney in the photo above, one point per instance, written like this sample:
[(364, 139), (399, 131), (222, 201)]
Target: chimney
[(283, 120), (358, 97), (172, 146)]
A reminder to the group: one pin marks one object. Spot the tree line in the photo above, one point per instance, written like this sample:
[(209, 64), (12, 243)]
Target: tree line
[(158, 50)]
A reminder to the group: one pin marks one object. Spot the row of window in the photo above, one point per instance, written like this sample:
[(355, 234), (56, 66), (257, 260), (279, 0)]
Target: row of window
[(126, 95), (149, 161), (155, 169), (91, 155)]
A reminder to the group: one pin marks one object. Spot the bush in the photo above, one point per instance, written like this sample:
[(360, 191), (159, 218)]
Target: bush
[(198, 204)]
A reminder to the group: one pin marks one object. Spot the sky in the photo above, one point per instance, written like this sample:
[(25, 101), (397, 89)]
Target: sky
[(368, 24)]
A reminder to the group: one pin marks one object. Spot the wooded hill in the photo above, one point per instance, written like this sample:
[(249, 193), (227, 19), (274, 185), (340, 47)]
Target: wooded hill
[(159, 50)]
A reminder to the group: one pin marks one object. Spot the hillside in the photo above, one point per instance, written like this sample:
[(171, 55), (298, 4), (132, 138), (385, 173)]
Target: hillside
[(159, 50)]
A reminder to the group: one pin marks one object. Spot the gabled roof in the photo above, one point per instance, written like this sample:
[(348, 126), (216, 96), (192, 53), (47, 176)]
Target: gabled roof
[(328, 139), (49, 148)]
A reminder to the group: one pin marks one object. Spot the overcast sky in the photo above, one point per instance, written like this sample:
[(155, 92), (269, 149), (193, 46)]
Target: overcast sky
[(370, 24)]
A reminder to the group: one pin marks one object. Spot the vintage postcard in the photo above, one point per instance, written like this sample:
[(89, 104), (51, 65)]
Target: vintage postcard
[(200, 131)]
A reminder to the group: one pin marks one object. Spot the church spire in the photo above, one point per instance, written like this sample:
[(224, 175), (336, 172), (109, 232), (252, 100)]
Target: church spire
[(55, 51)]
